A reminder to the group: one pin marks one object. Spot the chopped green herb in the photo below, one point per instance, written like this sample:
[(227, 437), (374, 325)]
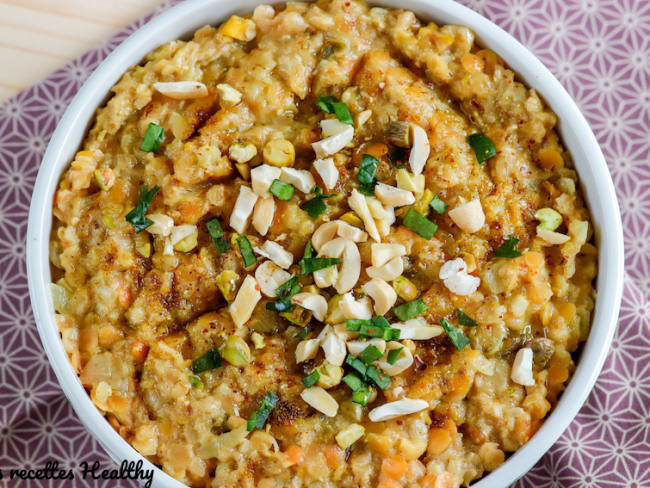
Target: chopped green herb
[(259, 417), (393, 355), (309, 250), (419, 224), (482, 146), (456, 336), (152, 138), (137, 217), (355, 324), (507, 249), (309, 265), (464, 319), (409, 310), (210, 360), (246, 251), (367, 174), (303, 332), (316, 206), (362, 397), (356, 364), (354, 382), (438, 205), (380, 379), (386, 333), (331, 105), (370, 354), (285, 291), (217, 234), (279, 306), (282, 190), (311, 379), (195, 381), (380, 321)]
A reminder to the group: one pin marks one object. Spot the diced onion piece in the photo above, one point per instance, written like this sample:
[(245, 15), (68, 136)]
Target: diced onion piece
[(312, 301), (419, 149), (522, 367), (359, 204), (327, 171), (417, 329), (455, 277), (270, 276), (261, 178), (468, 216), (392, 410), (382, 253), (306, 350), (334, 348), (276, 253), (356, 347), (228, 96), (247, 297), (300, 178), (321, 400), (180, 232), (382, 294), (389, 271), (263, 214), (331, 127), (392, 196), (551, 237), (243, 209), (404, 361), (355, 309), (162, 224), (332, 145), (181, 90)]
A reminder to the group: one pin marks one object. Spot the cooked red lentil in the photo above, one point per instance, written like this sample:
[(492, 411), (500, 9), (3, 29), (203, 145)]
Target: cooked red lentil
[(328, 245)]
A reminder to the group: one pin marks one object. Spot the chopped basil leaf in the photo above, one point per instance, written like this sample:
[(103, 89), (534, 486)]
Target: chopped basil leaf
[(353, 381), (356, 364), (259, 417), (309, 265), (195, 381), (309, 250), (419, 224), (409, 310), (482, 146), (316, 206), (362, 397), (507, 249), (438, 205), (217, 234), (380, 379), (331, 105), (464, 319), (210, 360), (303, 332), (311, 379), (282, 190), (279, 306), (137, 217), (152, 138), (393, 355), (367, 173), (397, 157), (456, 336), (246, 251), (370, 354), (289, 288)]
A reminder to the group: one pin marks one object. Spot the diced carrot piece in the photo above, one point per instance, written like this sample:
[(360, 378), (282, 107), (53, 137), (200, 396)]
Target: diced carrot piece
[(333, 456), (140, 351), (394, 467), (386, 483), (293, 454), (377, 149), (534, 260)]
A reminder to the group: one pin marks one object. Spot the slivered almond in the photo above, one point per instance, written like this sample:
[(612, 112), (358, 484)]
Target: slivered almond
[(276, 253), (417, 329), (382, 294), (243, 209), (327, 171), (321, 400), (312, 301), (300, 178), (162, 224), (247, 297), (324, 234), (263, 214), (261, 178), (522, 367), (393, 196), (181, 90), (270, 276), (350, 232), (387, 272), (180, 232), (468, 216), (392, 410), (553, 238), (382, 253), (333, 348), (332, 145), (355, 309), (419, 150), (356, 347), (358, 203), (306, 350)]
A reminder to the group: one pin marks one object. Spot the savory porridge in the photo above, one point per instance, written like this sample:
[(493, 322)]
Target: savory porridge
[(323, 245)]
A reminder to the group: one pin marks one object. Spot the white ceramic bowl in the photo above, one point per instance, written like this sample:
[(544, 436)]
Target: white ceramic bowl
[(180, 22)]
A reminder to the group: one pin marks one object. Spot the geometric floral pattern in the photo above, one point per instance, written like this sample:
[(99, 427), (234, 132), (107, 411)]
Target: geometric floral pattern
[(598, 49)]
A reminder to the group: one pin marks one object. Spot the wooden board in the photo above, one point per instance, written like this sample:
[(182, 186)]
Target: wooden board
[(39, 36)]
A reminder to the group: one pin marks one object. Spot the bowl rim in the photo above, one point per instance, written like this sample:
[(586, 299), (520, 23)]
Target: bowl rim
[(179, 21)]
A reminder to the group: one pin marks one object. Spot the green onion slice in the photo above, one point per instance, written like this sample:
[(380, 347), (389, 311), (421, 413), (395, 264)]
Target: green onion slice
[(152, 138), (354, 382), (304, 331), (195, 381), (382, 380), (456, 336), (393, 355), (370, 354), (210, 360), (282, 190), (137, 217), (331, 105), (362, 397), (438, 205), (356, 364), (409, 310), (246, 250), (259, 417), (217, 234), (309, 265), (482, 146), (419, 224), (311, 379), (464, 319), (508, 249)]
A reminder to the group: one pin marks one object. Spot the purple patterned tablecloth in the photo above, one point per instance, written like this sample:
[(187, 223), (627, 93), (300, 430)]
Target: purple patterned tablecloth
[(599, 50)]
